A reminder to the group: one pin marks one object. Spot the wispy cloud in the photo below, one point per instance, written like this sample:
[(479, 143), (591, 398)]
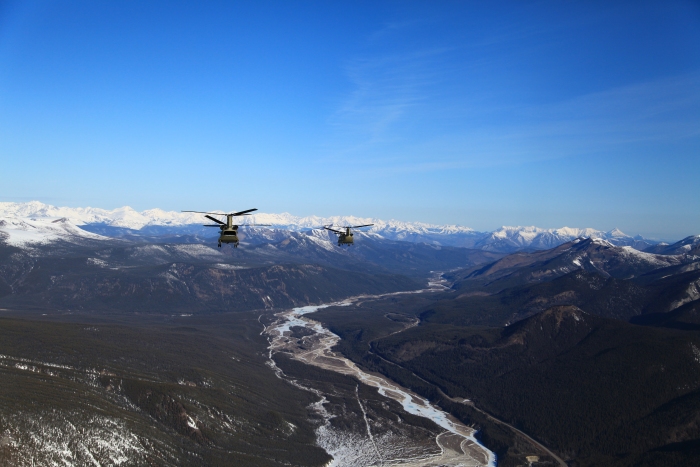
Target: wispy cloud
[(661, 111), (385, 90)]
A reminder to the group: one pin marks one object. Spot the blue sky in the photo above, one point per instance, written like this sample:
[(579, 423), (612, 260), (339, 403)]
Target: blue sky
[(482, 114)]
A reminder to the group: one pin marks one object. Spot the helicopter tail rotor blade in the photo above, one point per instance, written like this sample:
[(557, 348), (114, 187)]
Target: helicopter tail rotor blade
[(215, 220)]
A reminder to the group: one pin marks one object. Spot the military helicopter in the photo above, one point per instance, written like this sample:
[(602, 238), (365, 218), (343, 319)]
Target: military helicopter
[(345, 238), (229, 231)]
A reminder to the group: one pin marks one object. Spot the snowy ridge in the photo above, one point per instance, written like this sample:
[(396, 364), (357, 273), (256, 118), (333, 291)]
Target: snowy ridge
[(688, 246), (657, 260), (543, 239), (130, 218)]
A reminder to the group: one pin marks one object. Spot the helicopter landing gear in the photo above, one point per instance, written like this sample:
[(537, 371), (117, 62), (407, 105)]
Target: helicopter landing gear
[(219, 244)]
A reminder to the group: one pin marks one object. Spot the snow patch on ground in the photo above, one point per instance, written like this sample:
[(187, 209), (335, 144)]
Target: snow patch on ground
[(98, 262), (229, 266), (196, 250), (696, 352), (65, 439)]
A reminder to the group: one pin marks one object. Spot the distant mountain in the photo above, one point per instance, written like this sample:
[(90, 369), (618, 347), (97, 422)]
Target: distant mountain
[(609, 281), (172, 222), (587, 254), (187, 227), (510, 239), (687, 246)]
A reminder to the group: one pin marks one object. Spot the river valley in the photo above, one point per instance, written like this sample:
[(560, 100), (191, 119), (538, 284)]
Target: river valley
[(387, 439)]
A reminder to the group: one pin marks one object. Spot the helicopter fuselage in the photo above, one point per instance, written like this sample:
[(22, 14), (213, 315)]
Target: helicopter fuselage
[(229, 232), (229, 235), (345, 238)]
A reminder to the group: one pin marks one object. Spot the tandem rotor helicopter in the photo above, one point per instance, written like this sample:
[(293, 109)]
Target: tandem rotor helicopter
[(229, 231), (345, 238)]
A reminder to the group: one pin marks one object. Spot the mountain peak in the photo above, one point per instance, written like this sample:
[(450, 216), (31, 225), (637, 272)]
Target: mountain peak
[(617, 233), (601, 242)]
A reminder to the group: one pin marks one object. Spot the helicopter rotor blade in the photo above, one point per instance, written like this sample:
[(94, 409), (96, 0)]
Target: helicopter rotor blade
[(211, 225), (204, 212), (333, 230), (215, 220), (240, 213), (358, 226)]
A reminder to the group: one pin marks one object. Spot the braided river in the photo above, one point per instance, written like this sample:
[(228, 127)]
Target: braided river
[(455, 445)]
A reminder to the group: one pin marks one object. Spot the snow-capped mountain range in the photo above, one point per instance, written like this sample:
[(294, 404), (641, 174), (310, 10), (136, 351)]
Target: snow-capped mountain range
[(24, 222), (129, 218), (517, 238)]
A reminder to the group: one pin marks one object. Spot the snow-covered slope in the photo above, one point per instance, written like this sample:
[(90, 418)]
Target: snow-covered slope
[(121, 217), (19, 232)]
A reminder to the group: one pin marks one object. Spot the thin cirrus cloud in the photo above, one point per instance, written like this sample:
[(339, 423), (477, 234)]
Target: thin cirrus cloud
[(384, 91), (392, 97)]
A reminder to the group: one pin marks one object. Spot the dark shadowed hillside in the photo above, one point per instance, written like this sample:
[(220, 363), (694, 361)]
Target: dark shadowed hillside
[(592, 388), (604, 296)]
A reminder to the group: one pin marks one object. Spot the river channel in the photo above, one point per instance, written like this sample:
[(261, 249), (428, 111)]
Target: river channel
[(454, 446)]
